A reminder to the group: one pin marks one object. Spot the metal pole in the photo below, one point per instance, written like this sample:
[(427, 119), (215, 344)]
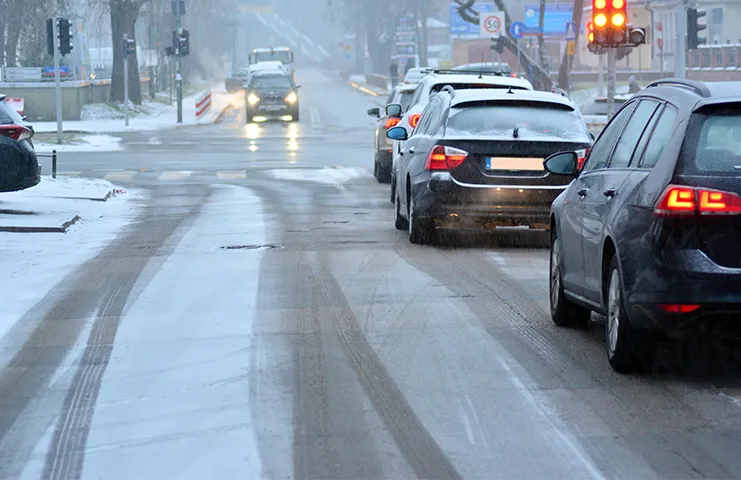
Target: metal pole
[(519, 61), (170, 77), (57, 80), (680, 58), (179, 74), (53, 164), (611, 73), (126, 78), (601, 90)]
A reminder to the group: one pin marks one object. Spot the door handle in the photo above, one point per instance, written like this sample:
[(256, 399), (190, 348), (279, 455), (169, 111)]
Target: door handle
[(583, 192), (609, 193), (401, 152), (411, 150)]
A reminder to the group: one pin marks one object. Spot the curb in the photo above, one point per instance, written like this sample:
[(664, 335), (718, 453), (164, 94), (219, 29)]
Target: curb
[(366, 90), (61, 229), (222, 112), (107, 196)]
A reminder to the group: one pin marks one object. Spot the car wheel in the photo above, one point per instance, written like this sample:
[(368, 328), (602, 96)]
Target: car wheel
[(375, 169), (295, 116), (628, 350), (399, 222), (392, 197), (382, 175), (420, 229), (564, 312)]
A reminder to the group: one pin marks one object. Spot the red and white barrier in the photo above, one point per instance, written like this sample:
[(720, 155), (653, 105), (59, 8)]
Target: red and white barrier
[(203, 105)]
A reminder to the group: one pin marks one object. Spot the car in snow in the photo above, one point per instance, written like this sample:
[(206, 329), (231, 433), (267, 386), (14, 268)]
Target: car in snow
[(235, 82), (416, 74), (271, 94), (401, 94), (647, 233), (19, 167), (431, 84), (475, 159)]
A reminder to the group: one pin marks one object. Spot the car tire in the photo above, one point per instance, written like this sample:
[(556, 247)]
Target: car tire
[(382, 175), (392, 197), (295, 116), (420, 229), (628, 350), (564, 312), (399, 222)]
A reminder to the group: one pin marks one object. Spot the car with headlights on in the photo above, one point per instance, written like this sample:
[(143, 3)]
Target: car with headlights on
[(475, 160), (271, 95)]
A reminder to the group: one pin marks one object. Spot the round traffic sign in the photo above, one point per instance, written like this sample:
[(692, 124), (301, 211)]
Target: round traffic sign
[(493, 24)]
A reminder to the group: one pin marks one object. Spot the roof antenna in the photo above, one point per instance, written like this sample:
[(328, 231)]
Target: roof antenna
[(481, 73), (510, 91)]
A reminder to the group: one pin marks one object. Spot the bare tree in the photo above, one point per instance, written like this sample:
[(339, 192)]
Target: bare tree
[(566, 65), (542, 52), (124, 14)]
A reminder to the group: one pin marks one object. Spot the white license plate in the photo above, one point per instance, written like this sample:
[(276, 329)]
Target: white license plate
[(514, 163), (274, 108)]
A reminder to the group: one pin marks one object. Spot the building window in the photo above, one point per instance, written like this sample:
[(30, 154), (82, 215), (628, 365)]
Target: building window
[(717, 16)]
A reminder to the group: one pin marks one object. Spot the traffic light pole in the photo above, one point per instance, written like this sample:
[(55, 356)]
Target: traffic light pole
[(57, 79), (680, 55), (126, 78), (611, 74), (179, 74), (601, 75)]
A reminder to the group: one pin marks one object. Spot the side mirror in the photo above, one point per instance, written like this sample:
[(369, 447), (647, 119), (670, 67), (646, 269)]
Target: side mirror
[(297, 86), (394, 110), (397, 133), (374, 112), (592, 136), (562, 163)]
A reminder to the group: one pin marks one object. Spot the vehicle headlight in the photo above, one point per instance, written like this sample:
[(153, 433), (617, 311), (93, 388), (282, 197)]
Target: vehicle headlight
[(253, 99), (292, 97)]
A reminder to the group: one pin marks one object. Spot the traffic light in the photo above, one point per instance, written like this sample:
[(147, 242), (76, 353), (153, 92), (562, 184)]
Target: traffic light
[(497, 44), (694, 28), (51, 42), (609, 18), (184, 43), (129, 46), (636, 36), (64, 27)]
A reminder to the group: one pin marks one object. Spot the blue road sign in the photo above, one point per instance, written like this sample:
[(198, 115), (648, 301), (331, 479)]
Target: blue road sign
[(516, 29), (557, 15), (571, 31), (460, 28)]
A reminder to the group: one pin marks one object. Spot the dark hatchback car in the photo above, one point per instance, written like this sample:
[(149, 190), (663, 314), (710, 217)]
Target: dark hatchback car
[(475, 159), (648, 232), (19, 167), (271, 95)]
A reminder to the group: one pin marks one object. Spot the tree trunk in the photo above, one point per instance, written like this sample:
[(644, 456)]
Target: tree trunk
[(123, 20), (3, 22), (14, 22), (542, 52), (566, 64), (423, 38)]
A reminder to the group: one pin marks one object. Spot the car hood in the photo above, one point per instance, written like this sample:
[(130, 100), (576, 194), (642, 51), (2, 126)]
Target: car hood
[(272, 91)]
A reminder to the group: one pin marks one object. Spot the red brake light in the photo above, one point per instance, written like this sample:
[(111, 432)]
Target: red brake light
[(392, 122), (681, 200), (513, 75), (582, 156), (445, 158), (414, 119), (16, 132), (672, 308)]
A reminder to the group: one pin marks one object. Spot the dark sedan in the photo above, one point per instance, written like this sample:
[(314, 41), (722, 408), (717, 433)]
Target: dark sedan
[(475, 159), (19, 167), (270, 94), (648, 232)]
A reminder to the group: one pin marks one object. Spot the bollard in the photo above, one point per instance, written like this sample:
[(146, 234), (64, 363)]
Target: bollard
[(53, 164)]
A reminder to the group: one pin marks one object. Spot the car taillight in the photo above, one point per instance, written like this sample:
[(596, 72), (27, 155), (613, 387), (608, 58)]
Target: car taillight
[(682, 200), (414, 119), (392, 122), (16, 132), (445, 158), (673, 308), (513, 75), (582, 155)]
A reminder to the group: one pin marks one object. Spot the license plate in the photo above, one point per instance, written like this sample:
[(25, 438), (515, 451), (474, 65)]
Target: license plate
[(274, 108), (514, 163)]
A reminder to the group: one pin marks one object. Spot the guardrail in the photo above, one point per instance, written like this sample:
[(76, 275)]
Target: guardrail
[(203, 104), (378, 81)]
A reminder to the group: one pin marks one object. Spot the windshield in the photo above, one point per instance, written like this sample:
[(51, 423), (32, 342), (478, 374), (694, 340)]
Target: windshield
[(534, 122), (281, 56), (271, 81)]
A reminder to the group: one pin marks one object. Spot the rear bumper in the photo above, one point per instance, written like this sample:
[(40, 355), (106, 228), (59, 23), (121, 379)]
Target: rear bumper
[(686, 277), (455, 204)]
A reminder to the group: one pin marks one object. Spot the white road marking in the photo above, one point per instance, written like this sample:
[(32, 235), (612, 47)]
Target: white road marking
[(119, 176), (323, 50), (236, 175), (307, 39), (315, 116), (184, 143), (174, 176)]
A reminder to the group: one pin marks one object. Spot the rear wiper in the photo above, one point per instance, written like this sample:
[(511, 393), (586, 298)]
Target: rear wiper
[(516, 132)]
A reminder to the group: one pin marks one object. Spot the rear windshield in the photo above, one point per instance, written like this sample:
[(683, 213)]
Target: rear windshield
[(8, 115), (271, 81), (406, 99), (713, 143), (468, 86), (535, 121)]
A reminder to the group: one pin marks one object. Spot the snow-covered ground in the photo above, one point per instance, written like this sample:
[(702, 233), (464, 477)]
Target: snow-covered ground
[(96, 143), (156, 119), (108, 111), (31, 264)]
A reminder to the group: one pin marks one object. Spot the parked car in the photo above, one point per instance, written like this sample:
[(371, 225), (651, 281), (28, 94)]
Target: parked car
[(431, 84), (647, 233), (19, 167), (271, 94), (475, 159), (382, 159), (415, 75)]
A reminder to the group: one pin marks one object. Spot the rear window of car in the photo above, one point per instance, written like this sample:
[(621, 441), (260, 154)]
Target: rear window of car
[(468, 86), (534, 121), (8, 115), (406, 99), (713, 142)]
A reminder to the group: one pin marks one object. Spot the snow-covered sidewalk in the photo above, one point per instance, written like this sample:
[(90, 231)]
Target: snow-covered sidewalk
[(162, 118), (32, 264)]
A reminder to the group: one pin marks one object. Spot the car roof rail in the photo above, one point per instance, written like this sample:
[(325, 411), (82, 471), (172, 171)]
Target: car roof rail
[(469, 72), (561, 92), (449, 89), (698, 87)]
